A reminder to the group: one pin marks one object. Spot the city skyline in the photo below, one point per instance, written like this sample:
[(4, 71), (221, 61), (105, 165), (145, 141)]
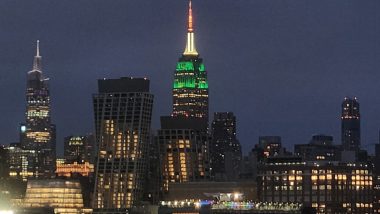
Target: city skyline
[(256, 97)]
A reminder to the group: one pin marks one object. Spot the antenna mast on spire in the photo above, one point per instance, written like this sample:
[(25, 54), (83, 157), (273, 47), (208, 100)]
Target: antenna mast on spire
[(38, 48), (37, 59)]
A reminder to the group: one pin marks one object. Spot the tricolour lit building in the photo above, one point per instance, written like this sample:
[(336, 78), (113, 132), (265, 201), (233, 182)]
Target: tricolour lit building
[(190, 88), (123, 111), (38, 133)]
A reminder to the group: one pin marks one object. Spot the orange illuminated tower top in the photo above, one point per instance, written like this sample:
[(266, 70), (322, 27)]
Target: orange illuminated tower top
[(190, 44)]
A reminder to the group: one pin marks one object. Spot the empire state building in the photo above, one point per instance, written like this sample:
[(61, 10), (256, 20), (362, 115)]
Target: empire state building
[(38, 133), (190, 88)]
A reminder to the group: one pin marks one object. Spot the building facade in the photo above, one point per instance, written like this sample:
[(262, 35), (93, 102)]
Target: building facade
[(190, 87), (64, 169), (183, 147), (319, 148), (64, 196), (350, 124), (22, 163), (225, 149), (79, 149), (123, 111), (38, 133), (330, 187)]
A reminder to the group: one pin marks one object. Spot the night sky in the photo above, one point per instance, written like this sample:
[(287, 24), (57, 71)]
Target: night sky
[(283, 67)]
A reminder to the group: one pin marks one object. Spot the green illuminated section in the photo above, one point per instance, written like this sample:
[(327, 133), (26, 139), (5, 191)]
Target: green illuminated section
[(202, 67), (185, 83), (203, 85), (185, 66), (192, 79)]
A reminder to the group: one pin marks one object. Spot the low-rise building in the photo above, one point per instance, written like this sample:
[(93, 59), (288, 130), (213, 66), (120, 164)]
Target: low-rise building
[(330, 187)]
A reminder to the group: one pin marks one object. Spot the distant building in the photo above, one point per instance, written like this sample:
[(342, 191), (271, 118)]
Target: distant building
[(268, 146), (22, 163), (350, 124), (376, 177), (190, 88), (123, 111), (38, 133), (79, 148), (248, 167), (271, 146), (319, 148), (64, 196), (225, 149), (330, 187), (183, 146), (153, 177), (4, 167), (183, 138), (64, 169)]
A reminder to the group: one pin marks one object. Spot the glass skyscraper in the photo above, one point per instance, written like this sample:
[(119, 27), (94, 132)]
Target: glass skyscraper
[(123, 111), (38, 133)]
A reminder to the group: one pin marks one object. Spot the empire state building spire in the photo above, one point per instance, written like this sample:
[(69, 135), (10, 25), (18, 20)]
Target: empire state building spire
[(37, 59), (190, 44)]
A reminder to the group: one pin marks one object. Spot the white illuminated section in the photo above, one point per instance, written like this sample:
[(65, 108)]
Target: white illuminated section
[(190, 45), (23, 129)]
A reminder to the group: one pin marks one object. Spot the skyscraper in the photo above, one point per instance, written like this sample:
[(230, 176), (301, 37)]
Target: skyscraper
[(38, 133), (183, 139), (350, 124), (123, 111), (190, 88), (225, 149)]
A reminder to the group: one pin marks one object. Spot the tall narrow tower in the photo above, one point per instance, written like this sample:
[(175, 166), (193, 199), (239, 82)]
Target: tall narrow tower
[(350, 124), (183, 139), (123, 112), (38, 133), (190, 88), (225, 149)]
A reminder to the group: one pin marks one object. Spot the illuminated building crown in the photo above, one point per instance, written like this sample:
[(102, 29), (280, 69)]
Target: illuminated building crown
[(190, 44)]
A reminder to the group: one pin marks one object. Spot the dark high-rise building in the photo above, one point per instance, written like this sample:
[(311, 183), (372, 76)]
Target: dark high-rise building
[(38, 133), (376, 177), (269, 146), (123, 111), (79, 148), (225, 149), (23, 163), (4, 167), (319, 148), (350, 124), (190, 88)]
